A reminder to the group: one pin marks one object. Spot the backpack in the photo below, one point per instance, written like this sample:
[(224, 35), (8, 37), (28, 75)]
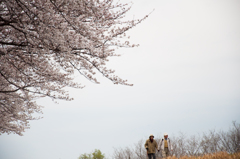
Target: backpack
[(168, 140)]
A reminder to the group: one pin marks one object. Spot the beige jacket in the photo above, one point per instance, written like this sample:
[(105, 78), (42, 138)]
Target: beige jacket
[(151, 146)]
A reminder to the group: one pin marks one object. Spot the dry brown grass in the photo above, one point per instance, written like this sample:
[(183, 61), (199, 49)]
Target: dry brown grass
[(219, 155)]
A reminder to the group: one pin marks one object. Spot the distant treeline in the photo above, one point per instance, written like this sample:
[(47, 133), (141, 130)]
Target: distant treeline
[(196, 145)]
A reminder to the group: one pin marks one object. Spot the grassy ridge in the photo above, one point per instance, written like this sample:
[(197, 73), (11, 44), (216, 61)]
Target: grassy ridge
[(219, 155)]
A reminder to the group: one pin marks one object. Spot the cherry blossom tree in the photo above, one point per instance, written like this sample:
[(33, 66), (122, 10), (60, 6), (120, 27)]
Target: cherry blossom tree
[(42, 44)]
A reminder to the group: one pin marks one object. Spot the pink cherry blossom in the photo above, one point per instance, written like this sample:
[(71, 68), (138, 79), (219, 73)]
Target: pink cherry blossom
[(42, 43)]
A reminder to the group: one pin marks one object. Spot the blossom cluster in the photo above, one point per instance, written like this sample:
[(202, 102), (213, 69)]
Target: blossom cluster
[(42, 44)]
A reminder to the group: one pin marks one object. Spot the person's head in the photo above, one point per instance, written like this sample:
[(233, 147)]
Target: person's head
[(165, 135), (151, 137)]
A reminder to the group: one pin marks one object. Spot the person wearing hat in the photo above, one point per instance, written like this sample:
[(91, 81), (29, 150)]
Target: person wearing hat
[(151, 146), (165, 146)]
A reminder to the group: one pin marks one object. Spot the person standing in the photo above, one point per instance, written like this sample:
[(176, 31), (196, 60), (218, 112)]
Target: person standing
[(151, 146), (165, 146)]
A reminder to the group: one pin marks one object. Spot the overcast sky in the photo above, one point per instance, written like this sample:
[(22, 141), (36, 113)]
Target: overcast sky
[(186, 76)]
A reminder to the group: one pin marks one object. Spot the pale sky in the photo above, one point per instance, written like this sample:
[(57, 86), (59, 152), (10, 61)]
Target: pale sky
[(185, 72)]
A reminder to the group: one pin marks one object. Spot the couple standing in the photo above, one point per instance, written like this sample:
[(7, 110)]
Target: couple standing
[(164, 145)]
